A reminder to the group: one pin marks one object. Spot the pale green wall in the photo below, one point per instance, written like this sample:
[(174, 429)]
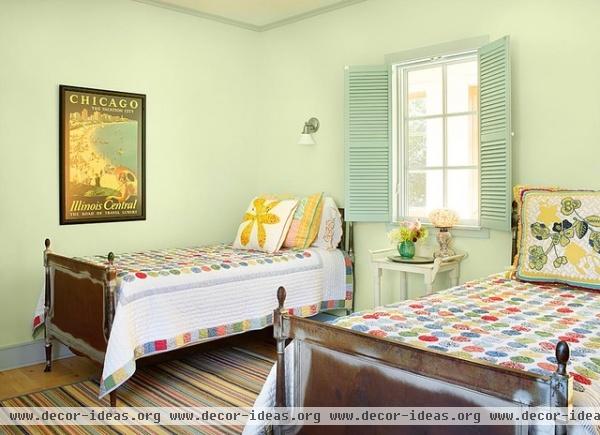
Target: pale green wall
[(225, 107), (199, 79), (556, 109)]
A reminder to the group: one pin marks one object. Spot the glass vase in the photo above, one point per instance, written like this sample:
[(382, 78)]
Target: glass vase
[(406, 249)]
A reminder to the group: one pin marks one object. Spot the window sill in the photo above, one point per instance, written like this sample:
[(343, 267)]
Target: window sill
[(459, 231), (467, 232)]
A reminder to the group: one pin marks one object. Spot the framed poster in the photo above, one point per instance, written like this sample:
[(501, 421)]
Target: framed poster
[(102, 156)]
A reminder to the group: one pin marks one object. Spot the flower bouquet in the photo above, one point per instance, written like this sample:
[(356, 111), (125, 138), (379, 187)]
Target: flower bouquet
[(405, 237)]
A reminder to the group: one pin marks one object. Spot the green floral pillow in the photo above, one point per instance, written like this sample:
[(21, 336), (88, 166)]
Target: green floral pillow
[(560, 238)]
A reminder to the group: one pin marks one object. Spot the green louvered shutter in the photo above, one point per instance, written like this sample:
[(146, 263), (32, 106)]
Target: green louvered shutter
[(368, 143), (495, 135)]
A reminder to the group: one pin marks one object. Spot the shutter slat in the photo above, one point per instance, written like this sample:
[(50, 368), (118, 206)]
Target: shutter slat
[(367, 140), (492, 73), (494, 130)]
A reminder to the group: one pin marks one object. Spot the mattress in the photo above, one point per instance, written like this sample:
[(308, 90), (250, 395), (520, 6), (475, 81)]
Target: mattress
[(167, 299), (500, 321)]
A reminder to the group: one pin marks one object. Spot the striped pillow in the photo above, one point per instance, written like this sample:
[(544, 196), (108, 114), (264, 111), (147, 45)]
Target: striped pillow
[(305, 225)]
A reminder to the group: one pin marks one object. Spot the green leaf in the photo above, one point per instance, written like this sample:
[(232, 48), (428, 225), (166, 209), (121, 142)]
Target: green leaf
[(581, 228), (537, 257), (557, 263), (563, 260), (540, 231), (568, 205), (564, 241), (593, 220), (595, 240)]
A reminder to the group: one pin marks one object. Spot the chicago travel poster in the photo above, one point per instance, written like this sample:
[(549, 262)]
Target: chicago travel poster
[(102, 148)]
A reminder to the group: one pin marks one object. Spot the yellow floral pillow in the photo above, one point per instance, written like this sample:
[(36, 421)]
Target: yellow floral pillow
[(560, 238), (265, 224)]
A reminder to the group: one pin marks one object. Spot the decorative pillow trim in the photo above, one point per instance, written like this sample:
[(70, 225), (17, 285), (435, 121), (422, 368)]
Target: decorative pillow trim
[(558, 282)]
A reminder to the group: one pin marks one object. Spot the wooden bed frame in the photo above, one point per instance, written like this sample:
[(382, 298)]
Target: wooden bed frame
[(339, 367), (80, 302)]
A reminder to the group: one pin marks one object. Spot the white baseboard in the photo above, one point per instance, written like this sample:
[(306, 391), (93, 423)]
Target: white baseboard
[(26, 354)]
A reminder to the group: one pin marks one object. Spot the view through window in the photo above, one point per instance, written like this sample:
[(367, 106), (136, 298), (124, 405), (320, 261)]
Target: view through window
[(438, 139)]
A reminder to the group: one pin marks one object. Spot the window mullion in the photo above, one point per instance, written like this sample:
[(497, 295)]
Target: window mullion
[(404, 163), (444, 137), (449, 168), (440, 115)]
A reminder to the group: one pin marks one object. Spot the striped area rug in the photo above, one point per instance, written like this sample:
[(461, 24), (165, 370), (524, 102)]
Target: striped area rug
[(222, 377)]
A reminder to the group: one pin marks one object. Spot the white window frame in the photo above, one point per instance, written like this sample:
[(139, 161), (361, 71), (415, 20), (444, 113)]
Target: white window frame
[(400, 132)]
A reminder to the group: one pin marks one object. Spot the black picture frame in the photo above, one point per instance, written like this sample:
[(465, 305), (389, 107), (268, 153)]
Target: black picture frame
[(118, 191)]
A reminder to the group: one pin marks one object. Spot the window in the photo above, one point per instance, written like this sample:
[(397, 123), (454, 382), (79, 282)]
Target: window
[(435, 111), (430, 133)]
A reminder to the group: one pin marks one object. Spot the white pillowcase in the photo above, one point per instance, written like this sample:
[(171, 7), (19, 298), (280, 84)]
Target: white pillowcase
[(265, 224), (330, 228)]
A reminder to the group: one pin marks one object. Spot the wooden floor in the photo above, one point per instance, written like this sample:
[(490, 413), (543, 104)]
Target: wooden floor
[(67, 371), (17, 382)]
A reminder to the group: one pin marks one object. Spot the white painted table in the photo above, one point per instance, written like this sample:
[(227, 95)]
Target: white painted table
[(380, 261)]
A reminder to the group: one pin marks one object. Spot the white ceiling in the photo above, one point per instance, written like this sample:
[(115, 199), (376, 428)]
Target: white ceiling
[(256, 15)]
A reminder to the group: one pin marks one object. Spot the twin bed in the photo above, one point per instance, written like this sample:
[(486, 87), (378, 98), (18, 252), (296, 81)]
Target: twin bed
[(492, 342), (120, 308)]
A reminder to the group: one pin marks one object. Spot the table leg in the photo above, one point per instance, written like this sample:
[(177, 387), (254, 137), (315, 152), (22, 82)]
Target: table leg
[(377, 273), (403, 286), (428, 278), (454, 274)]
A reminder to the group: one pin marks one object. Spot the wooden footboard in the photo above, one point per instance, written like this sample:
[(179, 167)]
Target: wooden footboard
[(79, 305), (338, 367)]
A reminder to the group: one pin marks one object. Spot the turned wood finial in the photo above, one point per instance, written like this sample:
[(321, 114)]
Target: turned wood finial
[(47, 243), (281, 296), (562, 356), (111, 258)]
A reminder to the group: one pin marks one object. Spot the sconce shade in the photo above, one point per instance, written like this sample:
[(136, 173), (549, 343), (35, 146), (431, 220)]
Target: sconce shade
[(306, 139)]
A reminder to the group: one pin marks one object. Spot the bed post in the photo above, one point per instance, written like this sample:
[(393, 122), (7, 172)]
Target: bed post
[(347, 244), (47, 307), (280, 335), (110, 286), (351, 255), (351, 240), (514, 225), (561, 385)]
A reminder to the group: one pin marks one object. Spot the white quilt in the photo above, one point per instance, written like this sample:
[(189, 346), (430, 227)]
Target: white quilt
[(174, 298)]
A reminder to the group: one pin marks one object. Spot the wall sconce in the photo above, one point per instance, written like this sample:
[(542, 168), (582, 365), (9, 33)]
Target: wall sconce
[(311, 126)]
